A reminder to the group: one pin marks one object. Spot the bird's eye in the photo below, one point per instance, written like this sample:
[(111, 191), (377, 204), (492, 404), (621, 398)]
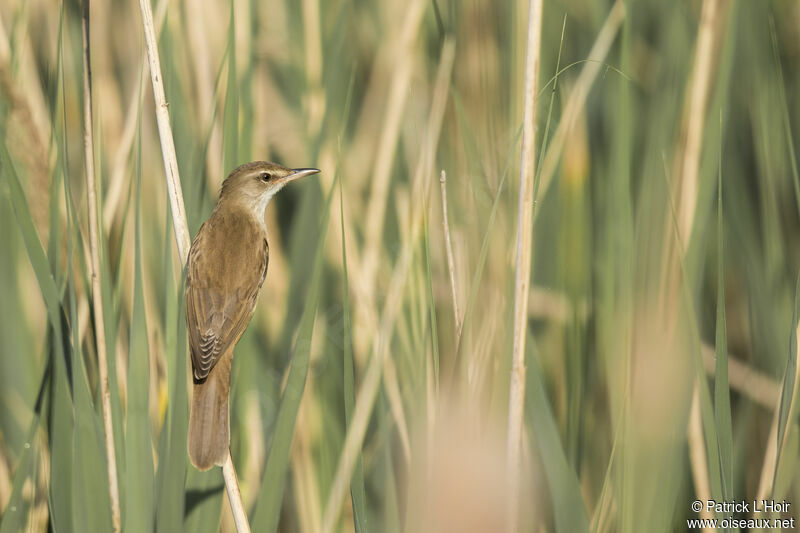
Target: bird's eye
[(264, 176)]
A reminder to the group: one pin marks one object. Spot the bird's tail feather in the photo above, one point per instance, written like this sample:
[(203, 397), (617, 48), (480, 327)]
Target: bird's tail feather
[(209, 426)]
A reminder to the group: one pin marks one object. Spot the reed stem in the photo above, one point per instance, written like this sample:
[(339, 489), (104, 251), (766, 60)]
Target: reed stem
[(179, 223), (97, 295)]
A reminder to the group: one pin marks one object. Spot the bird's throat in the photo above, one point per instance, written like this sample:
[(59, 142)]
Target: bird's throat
[(255, 206)]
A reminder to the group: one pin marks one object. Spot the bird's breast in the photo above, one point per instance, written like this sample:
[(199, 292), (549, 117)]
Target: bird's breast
[(232, 250)]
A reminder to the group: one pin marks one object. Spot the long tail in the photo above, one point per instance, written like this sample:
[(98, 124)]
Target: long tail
[(209, 425)]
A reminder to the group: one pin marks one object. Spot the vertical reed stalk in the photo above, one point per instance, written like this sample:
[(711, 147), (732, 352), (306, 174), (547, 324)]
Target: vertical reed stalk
[(179, 223), (235, 496), (450, 263), (688, 167), (97, 296), (702, 71), (697, 454), (523, 262)]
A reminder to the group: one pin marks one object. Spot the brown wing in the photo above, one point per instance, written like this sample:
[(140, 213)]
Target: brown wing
[(226, 268)]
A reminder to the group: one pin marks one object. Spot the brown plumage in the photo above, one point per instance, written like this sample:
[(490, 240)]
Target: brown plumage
[(227, 266)]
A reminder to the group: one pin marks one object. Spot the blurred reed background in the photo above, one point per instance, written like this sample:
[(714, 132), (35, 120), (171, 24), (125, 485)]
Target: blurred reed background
[(665, 254)]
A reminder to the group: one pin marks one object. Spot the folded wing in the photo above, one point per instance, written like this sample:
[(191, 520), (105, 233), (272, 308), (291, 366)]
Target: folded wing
[(221, 292)]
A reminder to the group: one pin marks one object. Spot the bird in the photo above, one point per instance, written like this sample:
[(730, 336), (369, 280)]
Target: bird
[(226, 267)]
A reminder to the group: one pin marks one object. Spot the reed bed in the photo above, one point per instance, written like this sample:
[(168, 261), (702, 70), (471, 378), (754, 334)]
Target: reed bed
[(410, 367)]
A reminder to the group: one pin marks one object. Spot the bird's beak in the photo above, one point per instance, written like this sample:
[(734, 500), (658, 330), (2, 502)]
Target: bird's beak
[(298, 173)]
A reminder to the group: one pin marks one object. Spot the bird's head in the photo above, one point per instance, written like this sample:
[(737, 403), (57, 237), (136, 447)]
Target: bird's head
[(254, 184)]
